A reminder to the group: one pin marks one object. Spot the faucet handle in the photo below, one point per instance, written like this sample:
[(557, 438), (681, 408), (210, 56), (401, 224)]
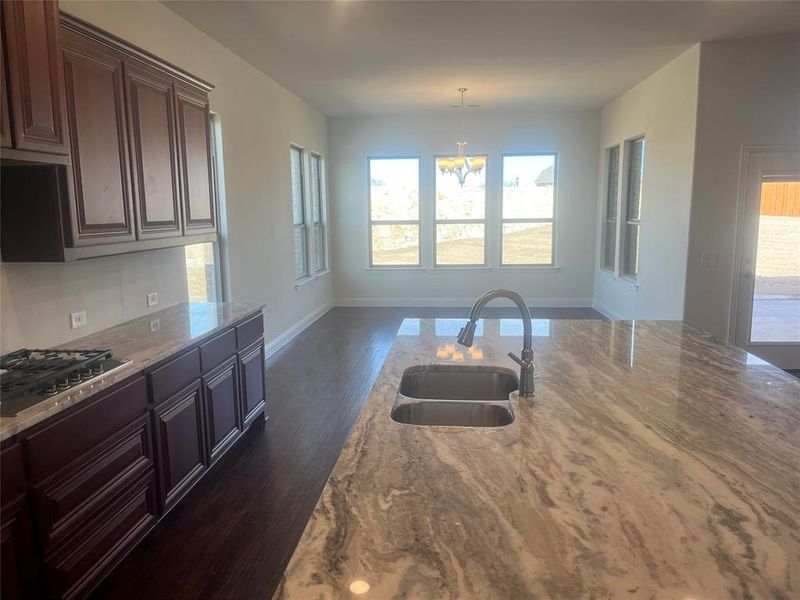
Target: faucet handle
[(516, 359)]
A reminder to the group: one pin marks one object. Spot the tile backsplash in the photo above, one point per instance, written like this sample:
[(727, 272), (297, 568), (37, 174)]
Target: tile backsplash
[(36, 299)]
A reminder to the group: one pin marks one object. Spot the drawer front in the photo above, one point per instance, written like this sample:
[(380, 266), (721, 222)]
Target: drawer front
[(180, 443), (249, 331), (219, 349), (65, 501), (12, 473), (175, 375), (57, 445), (88, 558)]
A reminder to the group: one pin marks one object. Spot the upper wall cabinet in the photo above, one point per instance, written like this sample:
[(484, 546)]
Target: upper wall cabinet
[(5, 123), (139, 174), (151, 122), (31, 45), (101, 207), (195, 161)]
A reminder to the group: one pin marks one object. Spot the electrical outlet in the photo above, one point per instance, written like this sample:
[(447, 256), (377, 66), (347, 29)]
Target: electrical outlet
[(78, 320), (155, 325), (152, 299)]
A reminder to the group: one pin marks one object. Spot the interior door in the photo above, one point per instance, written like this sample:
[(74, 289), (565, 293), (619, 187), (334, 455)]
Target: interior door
[(767, 316)]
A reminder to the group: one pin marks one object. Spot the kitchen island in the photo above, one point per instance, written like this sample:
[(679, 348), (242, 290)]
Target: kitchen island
[(654, 462)]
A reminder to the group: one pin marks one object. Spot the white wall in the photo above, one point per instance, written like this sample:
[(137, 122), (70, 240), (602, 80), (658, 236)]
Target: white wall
[(573, 135), (662, 108), (749, 95), (259, 120)]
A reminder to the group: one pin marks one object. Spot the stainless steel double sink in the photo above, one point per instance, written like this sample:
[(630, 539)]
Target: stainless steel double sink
[(455, 396)]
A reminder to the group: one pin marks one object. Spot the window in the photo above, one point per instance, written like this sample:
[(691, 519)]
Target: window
[(320, 246), (202, 272), (633, 207), (610, 224), (394, 211), (529, 188), (460, 219), (299, 214)]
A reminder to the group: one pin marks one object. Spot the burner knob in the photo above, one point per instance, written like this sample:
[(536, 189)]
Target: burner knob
[(75, 377), (86, 373), (62, 384), (97, 369), (51, 389)]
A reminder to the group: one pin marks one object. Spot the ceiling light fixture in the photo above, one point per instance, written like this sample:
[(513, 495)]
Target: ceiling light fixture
[(460, 165)]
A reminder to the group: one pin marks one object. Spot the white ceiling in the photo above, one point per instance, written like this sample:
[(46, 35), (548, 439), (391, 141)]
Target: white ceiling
[(389, 57)]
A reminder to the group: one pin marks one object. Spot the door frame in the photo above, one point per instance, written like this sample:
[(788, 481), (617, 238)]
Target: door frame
[(754, 166)]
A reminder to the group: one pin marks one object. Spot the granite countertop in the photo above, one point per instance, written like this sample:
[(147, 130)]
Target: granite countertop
[(144, 342), (654, 462)]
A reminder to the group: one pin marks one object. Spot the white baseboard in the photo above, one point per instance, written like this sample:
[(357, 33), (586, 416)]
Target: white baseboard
[(461, 302), (606, 311), (287, 336)]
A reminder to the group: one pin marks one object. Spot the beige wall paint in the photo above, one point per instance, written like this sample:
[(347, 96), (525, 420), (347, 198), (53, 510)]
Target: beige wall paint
[(259, 120), (749, 95), (663, 109), (574, 135)]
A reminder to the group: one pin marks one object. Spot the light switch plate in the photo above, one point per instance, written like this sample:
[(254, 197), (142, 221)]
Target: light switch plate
[(78, 320), (708, 259), (152, 299)]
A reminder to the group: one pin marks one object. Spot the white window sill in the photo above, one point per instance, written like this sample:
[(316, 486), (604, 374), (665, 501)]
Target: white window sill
[(388, 268), (544, 268), (623, 281), (322, 273), (303, 282)]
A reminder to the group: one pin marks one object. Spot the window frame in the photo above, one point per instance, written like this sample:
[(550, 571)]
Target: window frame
[(418, 222), (624, 210), (322, 211), (437, 221), (607, 219), (553, 220), (303, 225)]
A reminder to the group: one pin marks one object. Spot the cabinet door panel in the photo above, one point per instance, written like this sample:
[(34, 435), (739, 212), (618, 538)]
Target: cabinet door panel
[(5, 123), (195, 161), (34, 73), (252, 380), (152, 132), (223, 409), (180, 442), (102, 203)]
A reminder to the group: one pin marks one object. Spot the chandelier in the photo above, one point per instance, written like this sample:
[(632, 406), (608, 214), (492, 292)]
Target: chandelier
[(460, 165)]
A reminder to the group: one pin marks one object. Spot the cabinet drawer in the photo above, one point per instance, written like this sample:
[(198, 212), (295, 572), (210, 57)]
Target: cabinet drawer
[(57, 445), (175, 375), (63, 502), (222, 347), (81, 564), (249, 331)]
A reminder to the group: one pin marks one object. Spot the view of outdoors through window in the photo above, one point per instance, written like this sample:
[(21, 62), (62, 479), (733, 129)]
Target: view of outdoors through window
[(201, 273), (528, 209), (394, 211), (633, 208), (460, 215), (776, 300), (298, 214), (610, 227)]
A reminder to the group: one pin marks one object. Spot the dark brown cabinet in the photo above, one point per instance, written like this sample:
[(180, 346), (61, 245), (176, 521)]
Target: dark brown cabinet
[(17, 560), (101, 207), (151, 122), (195, 161), (5, 123), (181, 443), (31, 44), (251, 365), (223, 408)]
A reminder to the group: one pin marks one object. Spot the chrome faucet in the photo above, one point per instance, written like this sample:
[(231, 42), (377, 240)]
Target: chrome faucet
[(467, 333)]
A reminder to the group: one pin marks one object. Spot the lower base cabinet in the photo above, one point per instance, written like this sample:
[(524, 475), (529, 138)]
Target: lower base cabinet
[(223, 408), (180, 442), (254, 395)]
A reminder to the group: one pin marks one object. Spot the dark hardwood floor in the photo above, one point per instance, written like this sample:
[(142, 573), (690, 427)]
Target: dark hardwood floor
[(235, 532)]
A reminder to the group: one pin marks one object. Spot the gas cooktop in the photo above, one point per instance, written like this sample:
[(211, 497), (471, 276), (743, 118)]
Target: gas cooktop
[(29, 376)]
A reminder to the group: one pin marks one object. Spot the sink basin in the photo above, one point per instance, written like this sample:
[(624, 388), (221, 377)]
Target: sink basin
[(454, 413), (453, 395), (454, 382)]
